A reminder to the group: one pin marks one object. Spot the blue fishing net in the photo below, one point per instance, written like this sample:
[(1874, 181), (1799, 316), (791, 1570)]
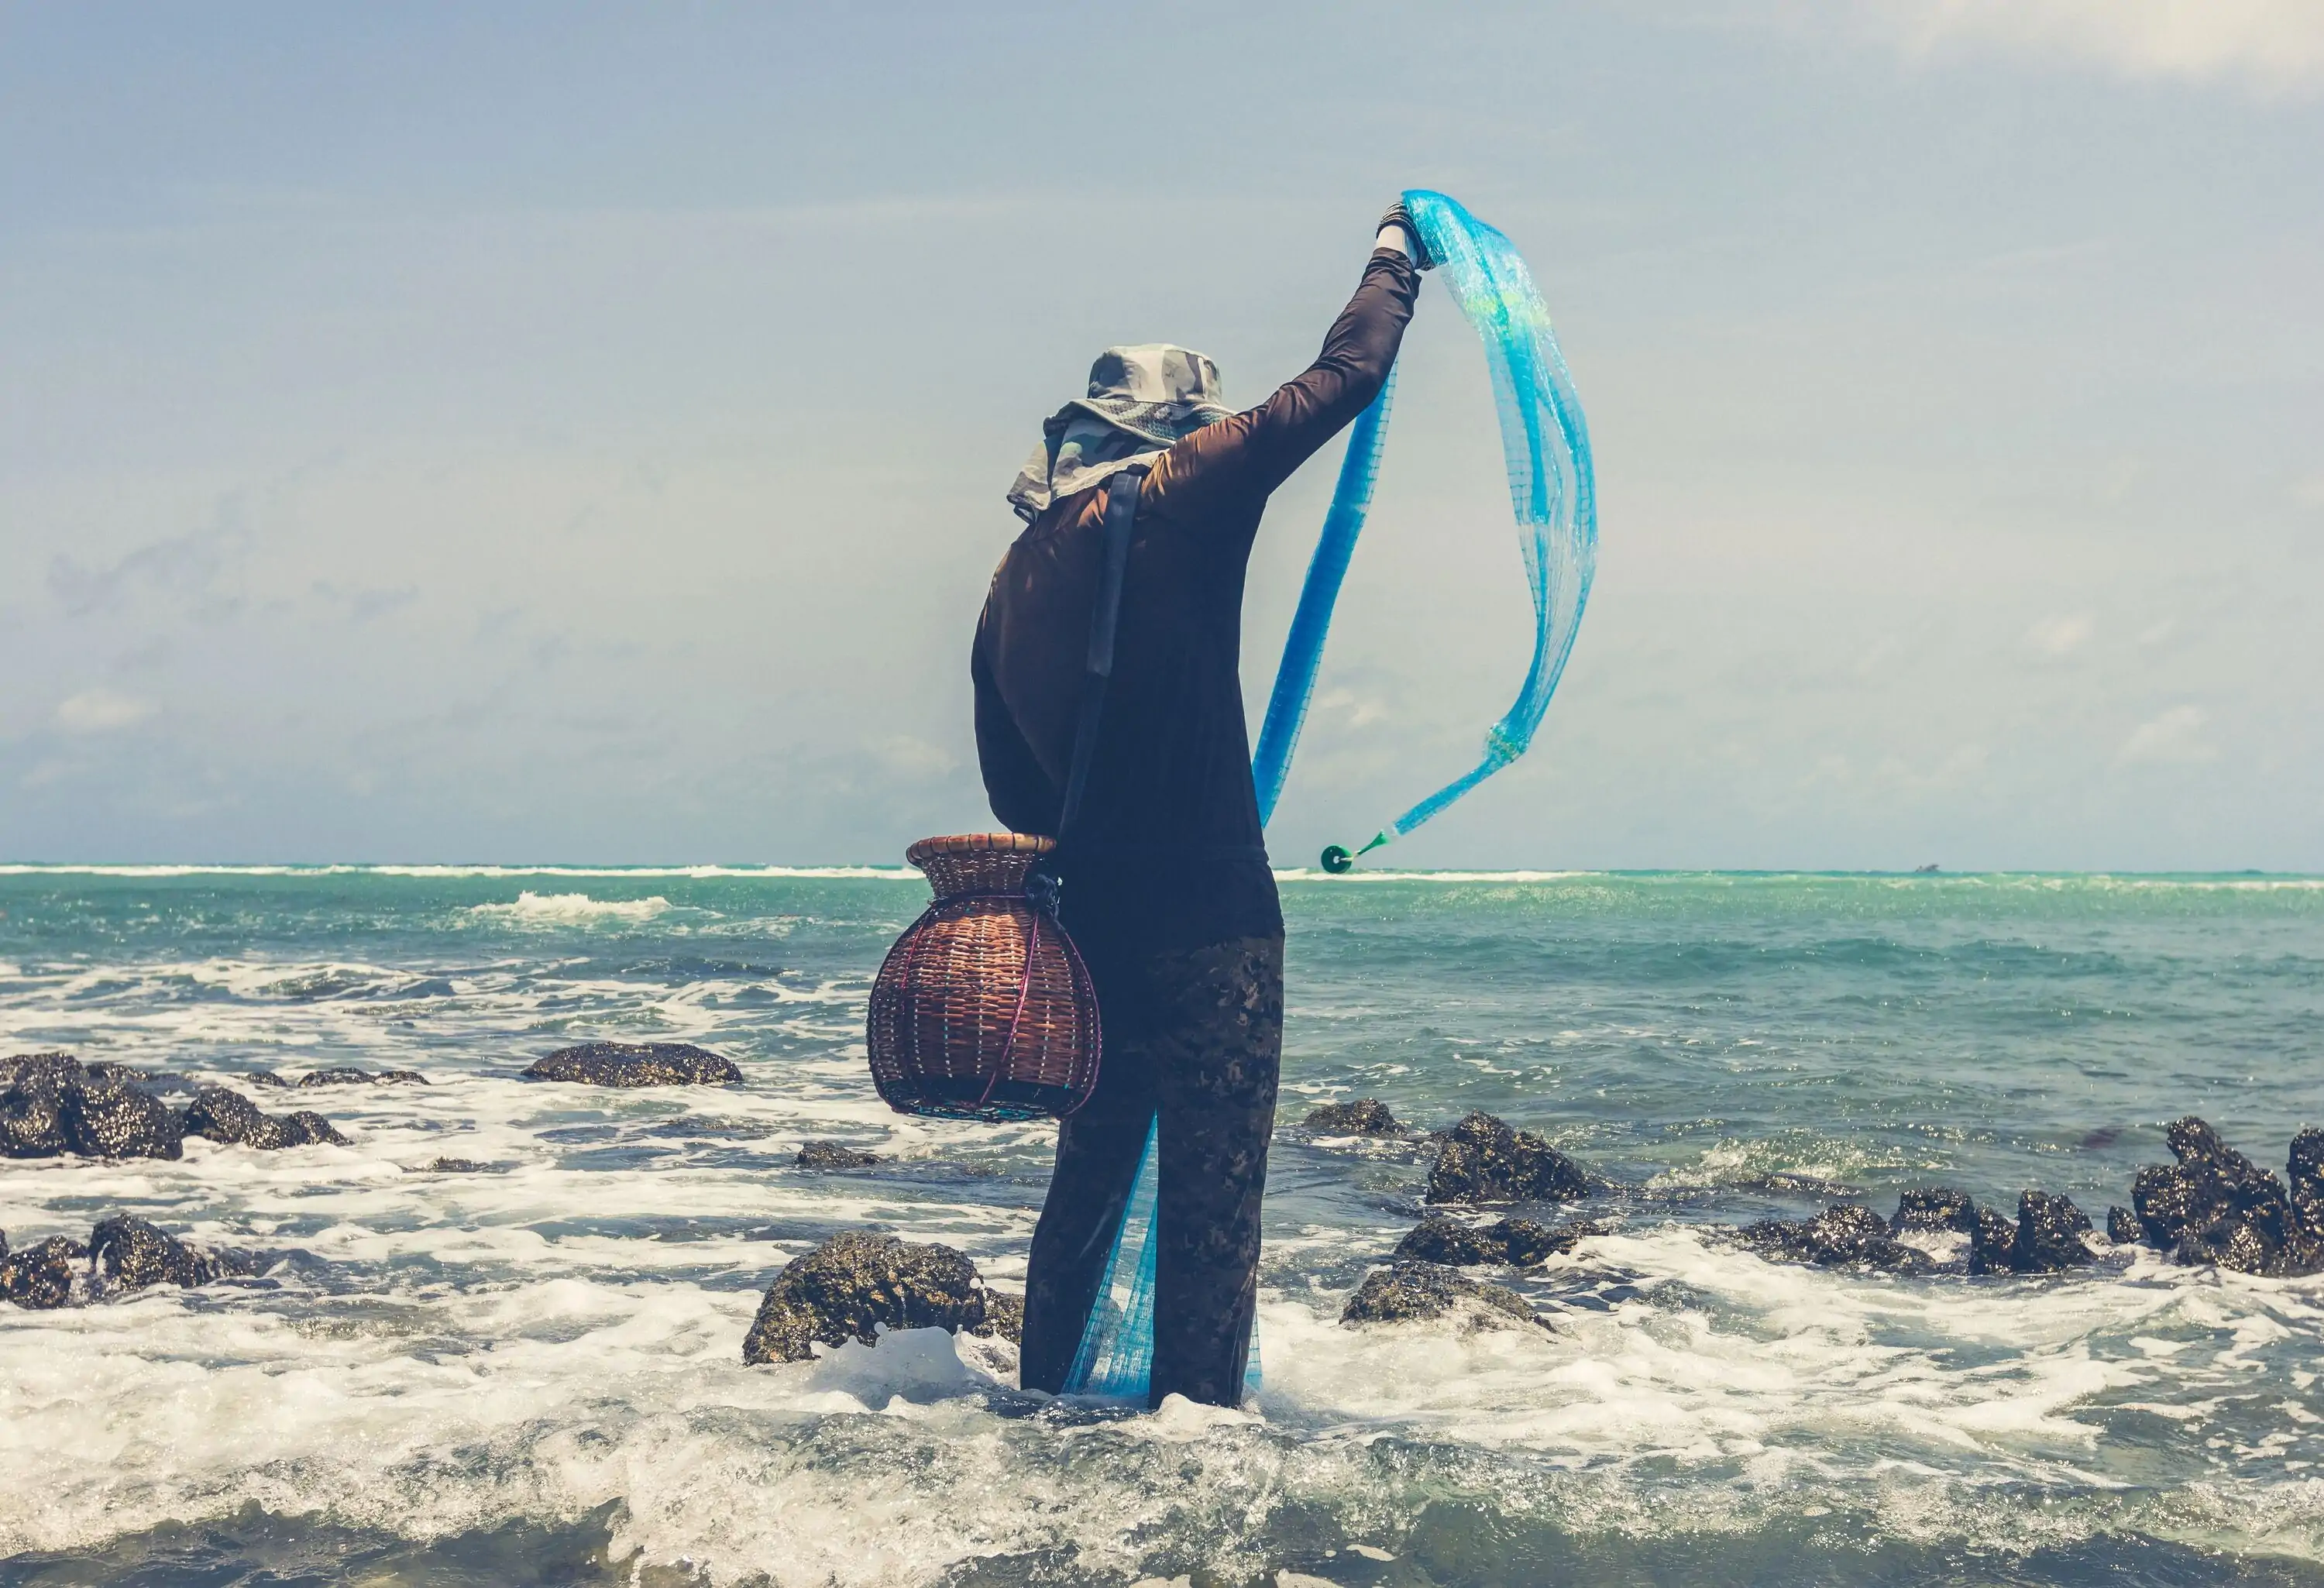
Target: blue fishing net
[(1116, 1357), (1545, 442)]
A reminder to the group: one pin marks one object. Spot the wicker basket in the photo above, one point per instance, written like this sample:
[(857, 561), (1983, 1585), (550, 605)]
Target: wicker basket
[(983, 1008)]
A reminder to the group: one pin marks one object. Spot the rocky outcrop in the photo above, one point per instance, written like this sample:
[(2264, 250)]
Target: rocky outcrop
[(851, 1285), (109, 1120), (1408, 1292), (2047, 1239), (31, 1106), (1519, 1242), (1482, 1159), (453, 1166), (1845, 1237), (1363, 1116), (635, 1064), (124, 1253), (2215, 1205), (43, 1278), (50, 1104), (1991, 1241), (228, 1117), (835, 1154)]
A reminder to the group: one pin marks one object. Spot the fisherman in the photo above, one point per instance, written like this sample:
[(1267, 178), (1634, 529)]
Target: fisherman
[(1166, 885)]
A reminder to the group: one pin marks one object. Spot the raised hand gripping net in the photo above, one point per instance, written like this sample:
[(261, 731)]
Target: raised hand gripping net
[(1545, 442)]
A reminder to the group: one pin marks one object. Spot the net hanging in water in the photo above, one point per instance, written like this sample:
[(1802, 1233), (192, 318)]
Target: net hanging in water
[(1545, 442)]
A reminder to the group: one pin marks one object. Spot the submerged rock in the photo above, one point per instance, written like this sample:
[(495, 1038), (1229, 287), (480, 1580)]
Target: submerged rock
[(228, 1117), (1519, 1243), (1364, 1116), (125, 1074), (635, 1064), (453, 1165), (1406, 1292), (852, 1283), (131, 1254), (2215, 1205), (835, 1154), (350, 1076), (43, 1278), (1482, 1159), (1845, 1237)]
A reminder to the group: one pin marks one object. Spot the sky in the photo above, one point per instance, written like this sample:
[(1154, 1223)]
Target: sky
[(578, 433)]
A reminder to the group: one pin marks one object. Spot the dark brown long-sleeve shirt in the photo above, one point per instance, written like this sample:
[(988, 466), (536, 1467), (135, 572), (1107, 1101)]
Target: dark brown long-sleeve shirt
[(1167, 850)]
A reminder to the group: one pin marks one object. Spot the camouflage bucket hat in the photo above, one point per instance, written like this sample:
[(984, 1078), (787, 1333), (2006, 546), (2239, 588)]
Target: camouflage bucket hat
[(1142, 400), (1155, 391)]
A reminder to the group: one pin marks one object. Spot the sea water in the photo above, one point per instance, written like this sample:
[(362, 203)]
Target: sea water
[(533, 1373)]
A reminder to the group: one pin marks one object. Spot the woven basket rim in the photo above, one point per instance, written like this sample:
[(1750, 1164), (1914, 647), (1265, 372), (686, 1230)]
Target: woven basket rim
[(979, 844)]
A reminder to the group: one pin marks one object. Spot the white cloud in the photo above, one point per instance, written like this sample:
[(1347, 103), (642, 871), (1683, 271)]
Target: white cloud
[(2062, 633), (2272, 45), (101, 711), (2173, 739), (903, 756)]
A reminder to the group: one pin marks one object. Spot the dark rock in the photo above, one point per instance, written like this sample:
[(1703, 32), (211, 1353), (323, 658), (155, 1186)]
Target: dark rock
[(852, 1283), (1481, 1159), (635, 1064), (50, 1104), (455, 1166), (1365, 1116), (2123, 1227), (356, 1078), (1844, 1237), (1004, 1315), (31, 1115), (834, 1155), (229, 1117), (1991, 1242), (1934, 1208), (1409, 1291), (2049, 1237), (1439, 1240), (269, 1078), (131, 1254), (2215, 1205), (1520, 1242), (55, 1067), (2305, 1167), (41, 1278), (114, 1121), (307, 1128)]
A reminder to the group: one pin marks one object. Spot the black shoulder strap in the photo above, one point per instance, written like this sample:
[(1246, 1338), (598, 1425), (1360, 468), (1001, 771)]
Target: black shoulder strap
[(1121, 518)]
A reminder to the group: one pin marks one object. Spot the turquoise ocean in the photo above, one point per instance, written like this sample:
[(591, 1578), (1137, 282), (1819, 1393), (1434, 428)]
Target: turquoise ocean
[(533, 1374)]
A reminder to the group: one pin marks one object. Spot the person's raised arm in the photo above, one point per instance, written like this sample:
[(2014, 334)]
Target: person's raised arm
[(1257, 450)]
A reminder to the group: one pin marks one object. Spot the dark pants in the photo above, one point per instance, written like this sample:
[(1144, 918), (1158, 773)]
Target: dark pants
[(1197, 1035)]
